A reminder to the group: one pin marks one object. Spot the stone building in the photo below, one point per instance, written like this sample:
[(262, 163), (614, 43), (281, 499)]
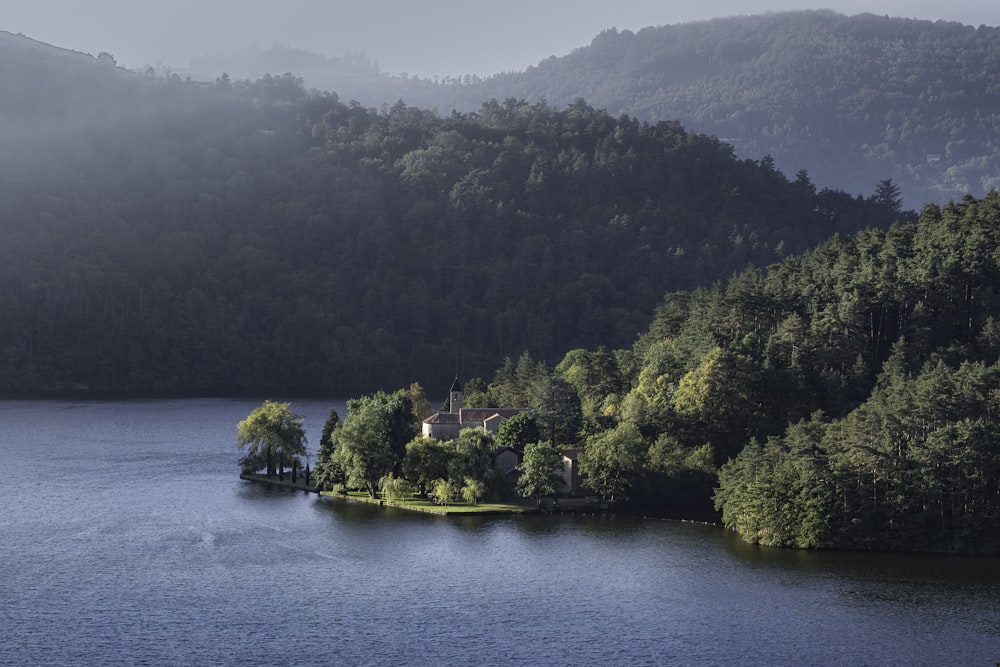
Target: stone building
[(446, 425)]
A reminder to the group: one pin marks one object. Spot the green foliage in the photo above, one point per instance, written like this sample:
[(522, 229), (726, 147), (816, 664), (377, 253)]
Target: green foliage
[(594, 376), (426, 460), (475, 394), (612, 461), (472, 491), (474, 457), (518, 432), (327, 473), (418, 399), (777, 494), (913, 467), (395, 489), (556, 407), (513, 385), (255, 236), (272, 435), (853, 98), (371, 442), (679, 475), (444, 491), (329, 426), (541, 472)]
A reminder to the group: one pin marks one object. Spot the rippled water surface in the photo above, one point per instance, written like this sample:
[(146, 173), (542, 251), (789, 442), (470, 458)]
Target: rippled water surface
[(127, 538)]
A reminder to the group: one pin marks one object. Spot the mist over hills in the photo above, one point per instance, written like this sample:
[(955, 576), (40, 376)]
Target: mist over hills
[(853, 100), (163, 235)]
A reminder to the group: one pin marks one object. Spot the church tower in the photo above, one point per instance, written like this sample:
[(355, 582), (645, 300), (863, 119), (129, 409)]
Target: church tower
[(455, 397)]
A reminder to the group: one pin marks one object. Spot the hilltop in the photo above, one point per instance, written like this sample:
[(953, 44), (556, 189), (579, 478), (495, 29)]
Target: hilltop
[(851, 99)]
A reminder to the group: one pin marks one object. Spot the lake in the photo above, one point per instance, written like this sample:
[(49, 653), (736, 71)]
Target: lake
[(128, 538)]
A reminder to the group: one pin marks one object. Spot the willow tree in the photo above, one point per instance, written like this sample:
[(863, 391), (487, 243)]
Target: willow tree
[(272, 433)]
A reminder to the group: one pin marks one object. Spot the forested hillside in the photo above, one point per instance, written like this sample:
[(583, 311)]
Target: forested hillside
[(165, 236), (852, 99), (845, 397), (911, 460)]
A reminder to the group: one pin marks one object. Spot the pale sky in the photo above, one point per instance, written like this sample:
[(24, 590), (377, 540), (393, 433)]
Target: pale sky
[(425, 37)]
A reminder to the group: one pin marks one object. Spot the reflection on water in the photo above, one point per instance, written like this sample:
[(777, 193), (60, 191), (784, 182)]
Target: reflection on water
[(129, 539)]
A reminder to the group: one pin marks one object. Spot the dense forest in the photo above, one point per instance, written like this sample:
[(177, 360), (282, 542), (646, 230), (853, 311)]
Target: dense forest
[(844, 397), (852, 99), (167, 236)]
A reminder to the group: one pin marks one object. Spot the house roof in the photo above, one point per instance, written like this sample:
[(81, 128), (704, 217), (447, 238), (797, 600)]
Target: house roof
[(472, 416), (482, 414), (443, 418)]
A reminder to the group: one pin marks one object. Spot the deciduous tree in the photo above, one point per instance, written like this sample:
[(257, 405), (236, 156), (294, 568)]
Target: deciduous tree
[(541, 472), (271, 434), (611, 461), (372, 440)]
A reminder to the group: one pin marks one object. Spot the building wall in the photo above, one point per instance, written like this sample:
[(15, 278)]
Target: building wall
[(571, 477), (441, 431), (507, 460)]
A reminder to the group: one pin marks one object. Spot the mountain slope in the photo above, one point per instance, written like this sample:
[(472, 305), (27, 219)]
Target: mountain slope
[(853, 100), (166, 236)]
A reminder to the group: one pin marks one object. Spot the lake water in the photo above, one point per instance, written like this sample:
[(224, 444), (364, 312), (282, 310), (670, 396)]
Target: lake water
[(126, 537)]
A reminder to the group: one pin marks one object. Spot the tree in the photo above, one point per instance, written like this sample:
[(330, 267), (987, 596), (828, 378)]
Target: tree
[(328, 472), (594, 375), (271, 433), (518, 431), (513, 384), (426, 460), (394, 488), (557, 408), (678, 474), (472, 490), (421, 406), (541, 472), (475, 458), (611, 461), (475, 394), (888, 196), (372, 440), (443, 491)]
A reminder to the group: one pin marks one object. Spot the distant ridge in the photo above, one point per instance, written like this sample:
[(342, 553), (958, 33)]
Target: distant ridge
[(851, 99)]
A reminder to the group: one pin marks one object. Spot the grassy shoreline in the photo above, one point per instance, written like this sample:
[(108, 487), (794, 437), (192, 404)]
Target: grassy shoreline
[(417, 504)]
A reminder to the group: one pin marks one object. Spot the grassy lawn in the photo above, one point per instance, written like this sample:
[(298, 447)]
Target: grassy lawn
[(519, 506), (423, 505)]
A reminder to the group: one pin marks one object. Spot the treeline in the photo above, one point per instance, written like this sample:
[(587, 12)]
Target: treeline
[(848, 394), (854, 99), (251, 236)]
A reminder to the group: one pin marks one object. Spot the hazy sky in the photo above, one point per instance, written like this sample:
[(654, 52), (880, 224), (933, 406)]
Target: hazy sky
[(426, 37)]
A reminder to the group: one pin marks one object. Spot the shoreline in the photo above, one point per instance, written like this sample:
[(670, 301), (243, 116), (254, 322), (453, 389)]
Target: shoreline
[(565, 506), (425, 507), (298, 485)]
